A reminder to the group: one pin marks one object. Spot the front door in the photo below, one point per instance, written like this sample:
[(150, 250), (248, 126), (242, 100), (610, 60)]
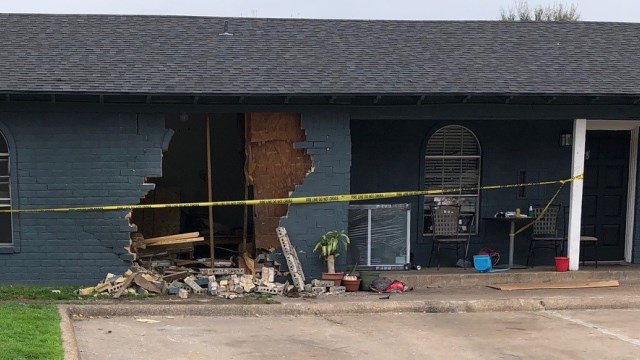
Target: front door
[(604, 202)]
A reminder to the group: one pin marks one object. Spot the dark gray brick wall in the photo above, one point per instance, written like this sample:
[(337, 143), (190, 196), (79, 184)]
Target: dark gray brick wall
[(77, 159), (329, 144)]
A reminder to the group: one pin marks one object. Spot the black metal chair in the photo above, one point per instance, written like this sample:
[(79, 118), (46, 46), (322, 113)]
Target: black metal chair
[(545, 232), (585, 240), (447, 234)]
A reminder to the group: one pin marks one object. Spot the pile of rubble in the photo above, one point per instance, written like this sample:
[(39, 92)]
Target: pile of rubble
[(229, 283), (184, 277)]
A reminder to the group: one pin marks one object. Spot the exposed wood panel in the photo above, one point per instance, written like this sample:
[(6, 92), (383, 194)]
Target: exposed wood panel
[(274, 167), (158, 222)]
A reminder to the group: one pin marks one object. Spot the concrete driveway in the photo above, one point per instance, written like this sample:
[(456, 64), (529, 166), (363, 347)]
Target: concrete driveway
[(585, 334)]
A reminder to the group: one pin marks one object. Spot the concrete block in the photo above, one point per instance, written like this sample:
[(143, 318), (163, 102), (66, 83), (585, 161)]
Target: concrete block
[(318, 289), (183, 294), (193, 285), (337, 289), (222, 271), (268, 274), (268, 290), (323, 283)]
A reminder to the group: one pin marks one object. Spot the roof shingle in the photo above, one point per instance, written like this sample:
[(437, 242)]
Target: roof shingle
[(187, 55)]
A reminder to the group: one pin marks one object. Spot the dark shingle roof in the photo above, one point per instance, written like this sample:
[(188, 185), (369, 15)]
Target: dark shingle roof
[(187, 55)]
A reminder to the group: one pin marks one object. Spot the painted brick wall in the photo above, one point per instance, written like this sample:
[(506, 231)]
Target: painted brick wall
[(329, 144), (77, 159), (387, 156)]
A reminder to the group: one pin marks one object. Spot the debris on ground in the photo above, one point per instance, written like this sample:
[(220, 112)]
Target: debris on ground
[(165, 273)]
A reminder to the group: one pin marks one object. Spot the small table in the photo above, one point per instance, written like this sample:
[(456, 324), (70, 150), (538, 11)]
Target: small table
[(512, 230)]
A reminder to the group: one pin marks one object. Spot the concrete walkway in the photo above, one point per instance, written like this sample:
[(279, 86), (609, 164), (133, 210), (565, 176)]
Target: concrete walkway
[(371, 305), (584, 334), (461, 299)]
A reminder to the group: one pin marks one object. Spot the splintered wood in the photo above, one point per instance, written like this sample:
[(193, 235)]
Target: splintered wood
[(292, 259), (556, 285), (274, 168)]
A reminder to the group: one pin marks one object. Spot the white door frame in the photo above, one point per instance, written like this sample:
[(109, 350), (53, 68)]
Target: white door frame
[(633, 126)]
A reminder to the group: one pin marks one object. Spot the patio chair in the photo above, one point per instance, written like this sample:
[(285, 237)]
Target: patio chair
[(585, 241), (545, 233), (446, 232)]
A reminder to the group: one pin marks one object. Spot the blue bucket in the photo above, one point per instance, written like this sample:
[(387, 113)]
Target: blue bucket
[(482, 263)]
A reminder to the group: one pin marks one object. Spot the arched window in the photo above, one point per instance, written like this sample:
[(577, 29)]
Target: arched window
[(6, 233), (452, 161)]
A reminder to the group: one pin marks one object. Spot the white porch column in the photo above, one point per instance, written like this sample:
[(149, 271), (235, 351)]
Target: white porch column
[(575, 199)]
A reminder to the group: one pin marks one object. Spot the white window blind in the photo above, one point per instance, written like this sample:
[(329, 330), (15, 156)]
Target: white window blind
[(452, 163), (6, 234)]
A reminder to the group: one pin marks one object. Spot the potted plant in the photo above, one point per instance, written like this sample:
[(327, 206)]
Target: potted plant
[(351, 282), (328, 247)]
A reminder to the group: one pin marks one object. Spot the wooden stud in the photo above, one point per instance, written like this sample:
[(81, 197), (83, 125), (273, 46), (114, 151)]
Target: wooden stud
[(210, 192), (247, 152)]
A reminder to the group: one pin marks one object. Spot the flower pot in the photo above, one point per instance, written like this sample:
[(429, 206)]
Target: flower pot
[(335, 277), (351, 285)]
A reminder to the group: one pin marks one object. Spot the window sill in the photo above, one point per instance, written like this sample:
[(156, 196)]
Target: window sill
[(8, 249)]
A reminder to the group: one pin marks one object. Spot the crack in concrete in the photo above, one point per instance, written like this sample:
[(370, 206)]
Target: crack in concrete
[(602, 330)]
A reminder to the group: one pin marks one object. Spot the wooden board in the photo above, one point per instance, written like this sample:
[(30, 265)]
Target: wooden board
[(557, 285), (172, 237), (175, 241)]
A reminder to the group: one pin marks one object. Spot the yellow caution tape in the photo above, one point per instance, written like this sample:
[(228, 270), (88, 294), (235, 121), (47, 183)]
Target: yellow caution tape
[(293, 200)]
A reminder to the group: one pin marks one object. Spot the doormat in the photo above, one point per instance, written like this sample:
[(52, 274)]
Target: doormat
[(557, 285)]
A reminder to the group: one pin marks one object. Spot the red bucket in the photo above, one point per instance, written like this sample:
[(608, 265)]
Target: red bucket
[(562, 263)]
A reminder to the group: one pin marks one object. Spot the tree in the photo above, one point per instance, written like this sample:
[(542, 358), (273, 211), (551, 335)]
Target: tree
[(521, 11)]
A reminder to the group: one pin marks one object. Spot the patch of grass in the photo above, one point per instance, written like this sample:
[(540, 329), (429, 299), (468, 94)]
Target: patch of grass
[(266, 298), (30, 332), (36, 293)]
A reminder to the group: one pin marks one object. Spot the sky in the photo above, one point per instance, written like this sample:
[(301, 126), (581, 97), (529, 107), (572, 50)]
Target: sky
[(590, 10)]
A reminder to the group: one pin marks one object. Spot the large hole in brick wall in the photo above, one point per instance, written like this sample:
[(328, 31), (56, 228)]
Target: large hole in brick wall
[(264, 142), (184, 179)]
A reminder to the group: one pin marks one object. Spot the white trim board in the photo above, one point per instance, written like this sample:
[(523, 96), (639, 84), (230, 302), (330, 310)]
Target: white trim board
[(632, 126), (613, 125)]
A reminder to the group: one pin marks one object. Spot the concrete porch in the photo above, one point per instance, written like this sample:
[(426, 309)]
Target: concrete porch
[(458, 277)]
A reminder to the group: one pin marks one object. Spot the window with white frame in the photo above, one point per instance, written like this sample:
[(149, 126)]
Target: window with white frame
[(6, 233), (452, 162)]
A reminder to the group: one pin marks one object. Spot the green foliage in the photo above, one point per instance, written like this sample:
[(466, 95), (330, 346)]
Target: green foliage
[(330, 242), (353, 269), (30, 332), (521, 11)]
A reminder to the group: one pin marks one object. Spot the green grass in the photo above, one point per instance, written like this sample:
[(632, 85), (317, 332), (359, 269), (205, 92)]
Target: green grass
[(10, 293), (30, 332)]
